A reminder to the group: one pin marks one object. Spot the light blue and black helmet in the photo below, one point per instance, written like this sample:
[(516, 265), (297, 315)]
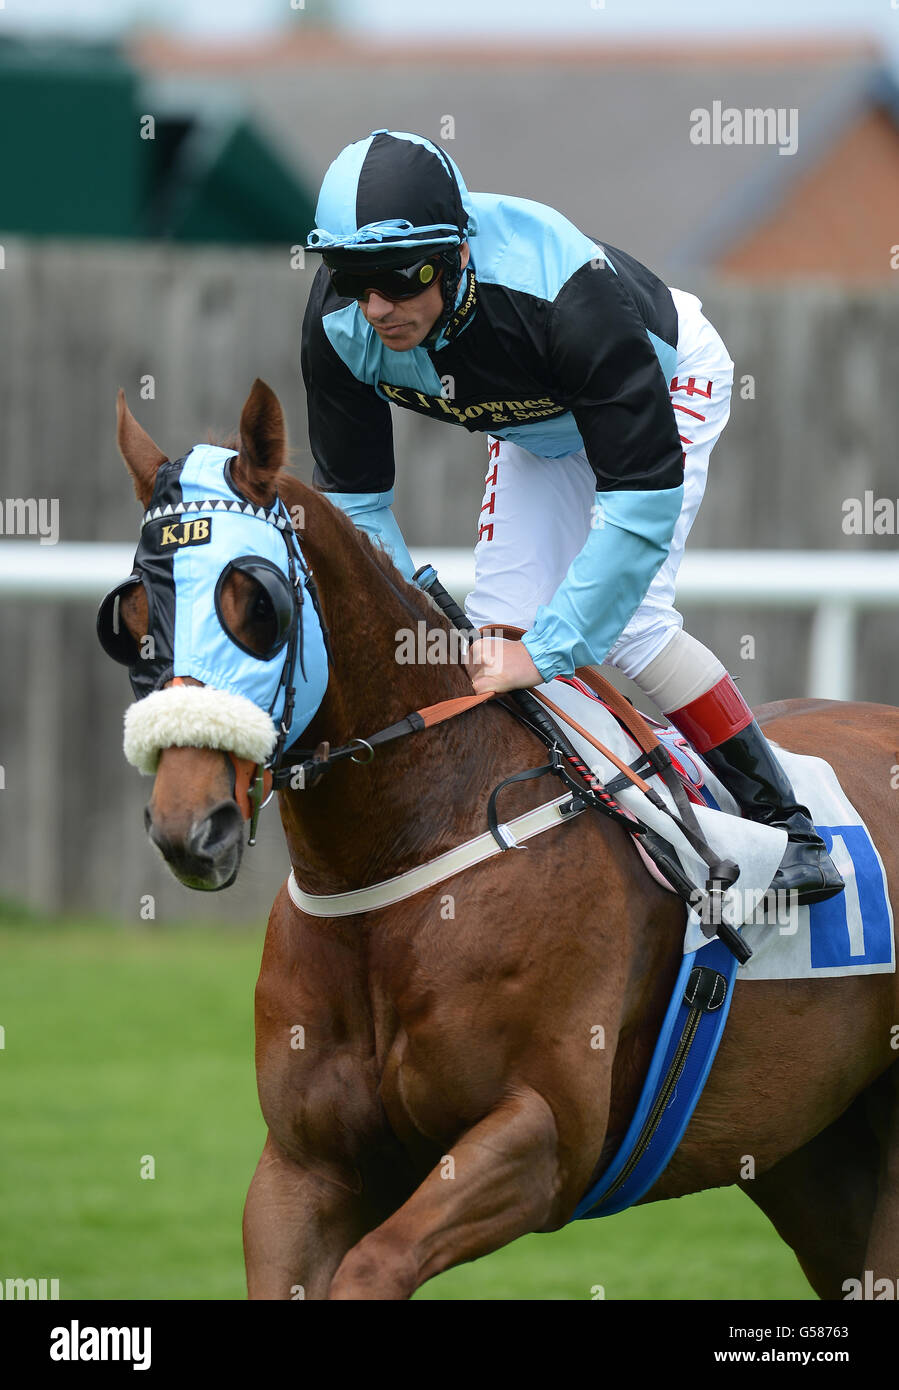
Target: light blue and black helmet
[(388, 200), (389, 192)]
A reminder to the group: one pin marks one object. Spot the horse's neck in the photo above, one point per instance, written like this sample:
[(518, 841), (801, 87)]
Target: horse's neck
[(372, 617), (362, 822), (427, 792)]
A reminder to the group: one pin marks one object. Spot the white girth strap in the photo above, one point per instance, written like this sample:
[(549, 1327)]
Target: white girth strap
[(394, 890)]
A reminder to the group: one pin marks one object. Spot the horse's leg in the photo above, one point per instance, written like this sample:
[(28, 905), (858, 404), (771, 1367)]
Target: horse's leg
[(498, 1182), (882, 1253), (297, 1226), (822, 1198)]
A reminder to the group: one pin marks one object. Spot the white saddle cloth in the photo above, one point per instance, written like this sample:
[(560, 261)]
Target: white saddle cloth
[(851, 933)]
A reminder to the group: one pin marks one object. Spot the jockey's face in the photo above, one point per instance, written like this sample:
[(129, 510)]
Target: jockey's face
[(402, 324)]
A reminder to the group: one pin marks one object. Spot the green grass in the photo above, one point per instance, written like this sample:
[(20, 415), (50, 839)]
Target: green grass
[(122, 1044)]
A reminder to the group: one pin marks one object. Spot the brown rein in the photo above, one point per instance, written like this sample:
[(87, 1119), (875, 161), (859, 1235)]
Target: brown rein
[(432, 715)]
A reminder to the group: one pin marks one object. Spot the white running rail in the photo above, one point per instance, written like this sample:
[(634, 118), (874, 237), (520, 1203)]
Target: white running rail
[(834, 586)]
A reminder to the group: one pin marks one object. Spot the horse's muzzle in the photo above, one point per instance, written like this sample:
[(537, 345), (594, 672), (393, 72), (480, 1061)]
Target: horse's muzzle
[(207, 854)]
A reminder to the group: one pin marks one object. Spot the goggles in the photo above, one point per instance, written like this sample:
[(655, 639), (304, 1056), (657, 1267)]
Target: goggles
[(403, 282)]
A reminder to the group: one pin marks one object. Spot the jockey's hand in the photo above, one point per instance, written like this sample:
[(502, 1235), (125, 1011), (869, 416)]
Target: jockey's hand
[(497, 664)]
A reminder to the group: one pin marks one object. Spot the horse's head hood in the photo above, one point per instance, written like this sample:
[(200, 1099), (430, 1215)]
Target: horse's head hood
[(196, 531)]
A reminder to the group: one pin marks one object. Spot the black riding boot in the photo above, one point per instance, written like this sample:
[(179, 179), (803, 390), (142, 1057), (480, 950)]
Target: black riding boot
[(746, 764)]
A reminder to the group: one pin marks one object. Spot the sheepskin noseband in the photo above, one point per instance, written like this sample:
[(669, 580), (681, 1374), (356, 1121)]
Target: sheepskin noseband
[(196, 716)]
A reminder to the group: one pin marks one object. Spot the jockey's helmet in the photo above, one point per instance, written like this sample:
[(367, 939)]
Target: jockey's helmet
[(391, 215)]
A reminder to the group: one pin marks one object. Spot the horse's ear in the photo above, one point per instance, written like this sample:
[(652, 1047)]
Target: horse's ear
[(263, 441), (141, 455)]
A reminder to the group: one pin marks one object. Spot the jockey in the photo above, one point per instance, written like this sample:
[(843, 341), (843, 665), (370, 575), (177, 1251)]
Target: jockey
[(602, 394)]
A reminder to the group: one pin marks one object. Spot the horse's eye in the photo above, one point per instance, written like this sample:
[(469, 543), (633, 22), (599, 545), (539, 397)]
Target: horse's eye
[(262, 609), (112, 628), (264, 624), (255, 606)]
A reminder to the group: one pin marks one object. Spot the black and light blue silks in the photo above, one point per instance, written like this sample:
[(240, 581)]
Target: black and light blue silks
[(568, 347)]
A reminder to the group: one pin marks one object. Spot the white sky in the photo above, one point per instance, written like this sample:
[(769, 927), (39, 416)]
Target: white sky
[(514, 19)]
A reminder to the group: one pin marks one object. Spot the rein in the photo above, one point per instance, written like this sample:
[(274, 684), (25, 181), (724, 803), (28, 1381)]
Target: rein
[(316, 763), (256, 783)]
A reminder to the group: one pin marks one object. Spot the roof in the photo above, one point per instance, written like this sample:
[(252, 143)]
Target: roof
[(600, 132)]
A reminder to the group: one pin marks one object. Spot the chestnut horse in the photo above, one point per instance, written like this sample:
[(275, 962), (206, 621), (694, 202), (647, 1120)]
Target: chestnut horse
[(447, 1098)]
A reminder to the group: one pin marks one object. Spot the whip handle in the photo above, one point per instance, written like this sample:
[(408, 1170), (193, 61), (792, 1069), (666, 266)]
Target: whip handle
[(426, 578)]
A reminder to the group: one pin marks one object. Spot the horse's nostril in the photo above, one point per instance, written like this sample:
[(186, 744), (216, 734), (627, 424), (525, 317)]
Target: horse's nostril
[(217, 833), (148, 818)]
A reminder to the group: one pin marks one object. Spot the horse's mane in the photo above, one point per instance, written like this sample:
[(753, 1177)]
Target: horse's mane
[(417, 606), (410, 595)]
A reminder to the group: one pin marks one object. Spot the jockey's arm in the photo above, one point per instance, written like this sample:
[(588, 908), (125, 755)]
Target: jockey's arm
[(351, 437), (372, 513), (608, 370)]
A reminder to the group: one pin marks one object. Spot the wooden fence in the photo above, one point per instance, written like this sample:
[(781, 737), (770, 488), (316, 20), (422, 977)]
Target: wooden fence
[(815, 422)]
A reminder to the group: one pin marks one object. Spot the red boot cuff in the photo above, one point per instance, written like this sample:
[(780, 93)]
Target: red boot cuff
[(714, 717)]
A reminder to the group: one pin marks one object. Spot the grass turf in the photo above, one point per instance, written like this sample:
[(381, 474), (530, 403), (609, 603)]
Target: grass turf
[(123, 1046)]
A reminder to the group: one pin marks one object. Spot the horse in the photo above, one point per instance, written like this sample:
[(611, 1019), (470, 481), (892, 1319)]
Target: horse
[(444, 1098)]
